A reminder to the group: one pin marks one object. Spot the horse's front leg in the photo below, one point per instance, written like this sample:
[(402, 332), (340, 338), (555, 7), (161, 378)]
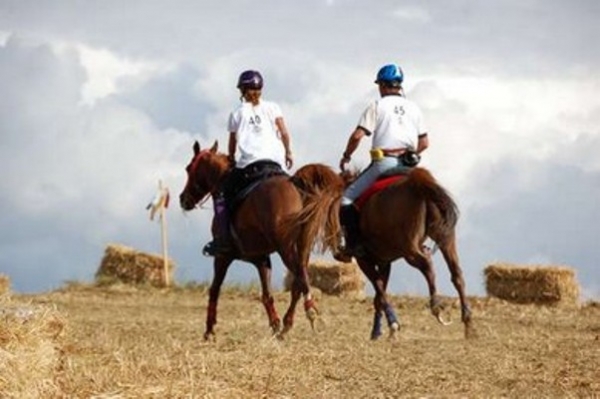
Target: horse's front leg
[(264, 271), (390, 315), (379, 276), (221, 265)]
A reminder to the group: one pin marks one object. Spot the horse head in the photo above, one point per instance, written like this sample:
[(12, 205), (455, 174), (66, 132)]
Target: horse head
[(204, 172)]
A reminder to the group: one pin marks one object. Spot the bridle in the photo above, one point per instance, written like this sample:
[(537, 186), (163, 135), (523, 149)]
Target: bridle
[(196, 185)]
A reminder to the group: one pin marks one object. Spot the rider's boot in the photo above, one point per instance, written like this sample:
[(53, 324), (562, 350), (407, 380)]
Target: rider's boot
[(221, 243), (349, 219)]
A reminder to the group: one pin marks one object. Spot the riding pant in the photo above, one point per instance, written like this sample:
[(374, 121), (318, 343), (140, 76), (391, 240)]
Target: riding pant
[(369, 176)]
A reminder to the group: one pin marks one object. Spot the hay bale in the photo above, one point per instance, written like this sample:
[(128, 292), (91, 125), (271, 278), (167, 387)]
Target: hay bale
[(126, 265), (333, 278), (4, 284), (547, 285), (31, 352)]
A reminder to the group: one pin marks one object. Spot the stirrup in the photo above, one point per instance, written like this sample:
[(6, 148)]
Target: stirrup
[(216, 248), (346, 254), (342, 256)]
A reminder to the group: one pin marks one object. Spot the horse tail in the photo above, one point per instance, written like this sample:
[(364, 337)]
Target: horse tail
[(442, 211), (318, 221)]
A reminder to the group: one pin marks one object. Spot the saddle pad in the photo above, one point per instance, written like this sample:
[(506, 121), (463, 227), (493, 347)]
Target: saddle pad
[(379, 185), (250, 180)]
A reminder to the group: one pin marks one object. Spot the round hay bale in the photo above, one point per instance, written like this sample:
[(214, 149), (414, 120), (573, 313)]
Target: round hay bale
[(31, 352), (126, 265), (332, 278), (4, 284), (546, 285)]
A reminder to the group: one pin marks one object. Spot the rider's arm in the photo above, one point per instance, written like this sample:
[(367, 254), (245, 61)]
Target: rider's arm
[(423, 143), (285, 139), (353, 142), (231, 146)]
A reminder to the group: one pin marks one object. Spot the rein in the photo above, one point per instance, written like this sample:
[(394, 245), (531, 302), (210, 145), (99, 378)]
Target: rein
[(202, 201), (197, 186)]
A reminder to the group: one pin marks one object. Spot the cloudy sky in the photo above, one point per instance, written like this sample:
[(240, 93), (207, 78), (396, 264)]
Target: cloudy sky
[(101, 99)]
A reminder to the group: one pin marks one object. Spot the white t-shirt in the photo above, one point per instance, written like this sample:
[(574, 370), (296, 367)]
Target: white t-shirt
[(256, 133), (394, 122)]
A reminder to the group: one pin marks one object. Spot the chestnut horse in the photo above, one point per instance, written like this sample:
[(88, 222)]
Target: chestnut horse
[(395, 223), (261, 227)]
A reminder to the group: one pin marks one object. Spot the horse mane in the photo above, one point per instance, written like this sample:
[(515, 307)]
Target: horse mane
[(321, 188), (315, 177)]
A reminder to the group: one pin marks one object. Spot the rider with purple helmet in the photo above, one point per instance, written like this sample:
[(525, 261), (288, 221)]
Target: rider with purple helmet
[(257, 129)]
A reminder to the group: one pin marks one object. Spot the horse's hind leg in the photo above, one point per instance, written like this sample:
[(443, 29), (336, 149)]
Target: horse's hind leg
[(264, 271), (297, 265), (421, 261), (299, 287), (288, 318), (221, 265), (450, 254)]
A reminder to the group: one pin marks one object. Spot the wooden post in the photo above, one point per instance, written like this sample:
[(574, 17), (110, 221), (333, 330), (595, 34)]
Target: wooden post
[(163, 233)]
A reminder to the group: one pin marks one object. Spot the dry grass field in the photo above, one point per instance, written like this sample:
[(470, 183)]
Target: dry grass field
[(127, 342)]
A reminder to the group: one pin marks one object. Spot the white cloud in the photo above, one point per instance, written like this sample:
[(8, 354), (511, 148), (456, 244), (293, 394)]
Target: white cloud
[(479, 121), (412, 14), (105, 69), (4, 37)]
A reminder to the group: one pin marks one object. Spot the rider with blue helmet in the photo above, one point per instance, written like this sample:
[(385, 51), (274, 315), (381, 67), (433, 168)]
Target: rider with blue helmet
[(390, 75), (398, 133)]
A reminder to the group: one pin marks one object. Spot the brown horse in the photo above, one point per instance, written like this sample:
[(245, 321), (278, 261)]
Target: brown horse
[(394, 224), (261, 227)]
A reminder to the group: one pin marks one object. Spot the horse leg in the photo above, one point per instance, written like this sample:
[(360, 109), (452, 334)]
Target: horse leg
[(422, 262), (288, 318), (310, 307), (379, 276), (264, 271), (221, 265), (451, 257), (299, 287)]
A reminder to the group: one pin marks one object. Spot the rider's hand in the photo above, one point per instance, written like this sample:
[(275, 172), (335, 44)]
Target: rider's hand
[(343, 162), (231, 159), (289, 160)]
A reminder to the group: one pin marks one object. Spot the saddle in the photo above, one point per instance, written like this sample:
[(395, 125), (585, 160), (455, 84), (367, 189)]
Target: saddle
[(383, 181), (241, 182)]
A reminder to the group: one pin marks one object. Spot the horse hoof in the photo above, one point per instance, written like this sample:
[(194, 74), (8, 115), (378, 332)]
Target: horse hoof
[(210, 336), (313, 321), (441, 320), (281, 335), (470, 333), (394, 328), (312, 314), (276, 327)]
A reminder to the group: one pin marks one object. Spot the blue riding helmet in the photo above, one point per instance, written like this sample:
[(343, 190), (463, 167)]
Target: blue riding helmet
[(250, 79), (390, 74)]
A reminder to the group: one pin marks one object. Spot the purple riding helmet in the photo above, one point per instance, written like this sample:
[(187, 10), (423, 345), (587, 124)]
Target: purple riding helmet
[(250, 79)]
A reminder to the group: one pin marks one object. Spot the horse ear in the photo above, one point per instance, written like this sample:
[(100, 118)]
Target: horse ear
[(196, 147), (215, 146)]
